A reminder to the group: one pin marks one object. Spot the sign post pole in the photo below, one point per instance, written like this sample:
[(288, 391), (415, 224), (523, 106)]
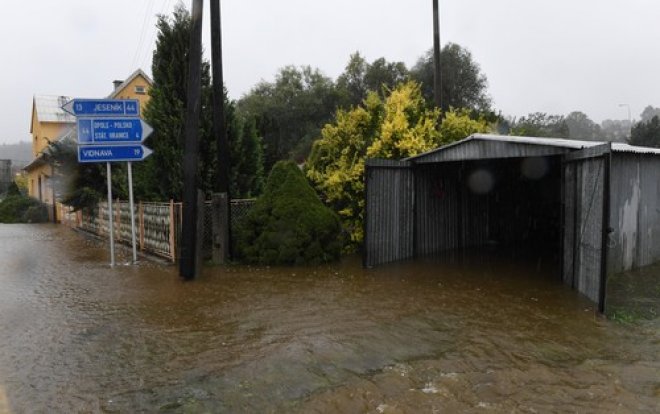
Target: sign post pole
[(111, 224), (132, 207)]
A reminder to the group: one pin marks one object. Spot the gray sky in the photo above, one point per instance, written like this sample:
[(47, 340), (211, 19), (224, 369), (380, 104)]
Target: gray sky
[(553, 56)]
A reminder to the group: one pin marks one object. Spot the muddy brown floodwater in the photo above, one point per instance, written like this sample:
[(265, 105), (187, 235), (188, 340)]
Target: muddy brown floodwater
[(491, 336)]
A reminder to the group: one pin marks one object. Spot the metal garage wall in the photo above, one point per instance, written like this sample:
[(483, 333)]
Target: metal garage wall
[(389, 215), (585, 212), (635, 212), (448, 215), (437, 202)]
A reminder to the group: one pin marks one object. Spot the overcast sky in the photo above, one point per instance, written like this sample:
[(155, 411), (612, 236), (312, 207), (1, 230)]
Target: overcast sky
[(552, 56)]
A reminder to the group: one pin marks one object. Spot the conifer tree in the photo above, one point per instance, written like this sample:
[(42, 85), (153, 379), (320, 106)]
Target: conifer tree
[(160, 177)]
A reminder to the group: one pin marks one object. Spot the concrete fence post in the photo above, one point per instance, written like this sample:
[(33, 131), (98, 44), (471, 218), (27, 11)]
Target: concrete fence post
[(220, 227), (200, 233)]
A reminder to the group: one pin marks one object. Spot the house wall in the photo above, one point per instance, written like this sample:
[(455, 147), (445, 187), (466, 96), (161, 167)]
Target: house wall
[(129, 92), (42, 132)]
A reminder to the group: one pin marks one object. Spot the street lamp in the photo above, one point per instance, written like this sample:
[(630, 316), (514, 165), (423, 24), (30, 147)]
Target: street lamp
[(629, 119)]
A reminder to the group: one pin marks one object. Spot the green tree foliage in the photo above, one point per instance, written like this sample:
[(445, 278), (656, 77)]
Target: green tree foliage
[(360, 77), (22, 209), (648, 113), (21, 182), (539, 124), (13, 189), (250, 169), (646, 134), (615, 130), (160, 177), (290, 111), (79, 185), (399, 126), (581, 127), (463, 84), (289, 224)]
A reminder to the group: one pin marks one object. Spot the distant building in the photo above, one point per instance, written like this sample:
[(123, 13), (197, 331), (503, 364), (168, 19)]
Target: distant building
[(51, 123), (5, 175)]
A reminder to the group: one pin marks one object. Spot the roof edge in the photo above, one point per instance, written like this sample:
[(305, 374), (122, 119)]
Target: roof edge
[(132, 76)]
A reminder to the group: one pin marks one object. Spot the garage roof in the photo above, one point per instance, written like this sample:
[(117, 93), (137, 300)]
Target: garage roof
[(486, 146)]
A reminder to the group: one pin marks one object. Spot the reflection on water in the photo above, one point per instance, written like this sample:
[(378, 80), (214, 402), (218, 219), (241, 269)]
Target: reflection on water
[(413, 337)]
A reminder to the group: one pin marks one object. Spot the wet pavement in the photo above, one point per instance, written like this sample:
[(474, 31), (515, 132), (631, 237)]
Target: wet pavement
[(491, 336)]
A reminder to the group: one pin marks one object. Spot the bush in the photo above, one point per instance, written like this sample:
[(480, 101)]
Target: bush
[(37, 213), (22, 209), (288, 224)]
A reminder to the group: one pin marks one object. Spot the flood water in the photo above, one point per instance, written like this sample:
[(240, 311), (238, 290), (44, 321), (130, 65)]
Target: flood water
[(419, 337)]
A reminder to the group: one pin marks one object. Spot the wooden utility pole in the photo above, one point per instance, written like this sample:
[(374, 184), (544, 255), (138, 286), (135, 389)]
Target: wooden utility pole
[(221, 241), (437, 74), (189, 266)]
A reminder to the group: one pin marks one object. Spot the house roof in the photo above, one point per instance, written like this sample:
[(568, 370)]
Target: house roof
[(484, 146), (138, 72), (48, 108)]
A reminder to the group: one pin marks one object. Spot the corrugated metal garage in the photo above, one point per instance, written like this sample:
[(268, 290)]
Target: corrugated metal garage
[(595, 205)]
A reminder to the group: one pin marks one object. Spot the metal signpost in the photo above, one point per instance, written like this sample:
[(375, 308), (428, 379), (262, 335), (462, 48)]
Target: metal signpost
[(110, 130)]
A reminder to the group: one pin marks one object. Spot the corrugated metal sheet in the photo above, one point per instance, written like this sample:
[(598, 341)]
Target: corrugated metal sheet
[(437, 203), (477, 149), (486, 146), (619, 147), (389, 221), (583, 225), (569, 234), (49, 108), (635, 212), (590, 219)]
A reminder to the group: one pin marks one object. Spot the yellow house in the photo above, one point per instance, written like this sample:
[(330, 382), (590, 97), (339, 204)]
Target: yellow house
[(50, 123)]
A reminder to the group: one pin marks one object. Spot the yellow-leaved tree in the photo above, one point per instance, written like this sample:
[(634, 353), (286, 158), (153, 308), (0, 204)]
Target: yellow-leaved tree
[(397, 127)]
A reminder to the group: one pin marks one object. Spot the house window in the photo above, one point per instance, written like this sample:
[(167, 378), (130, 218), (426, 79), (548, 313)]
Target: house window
[(140, 90)]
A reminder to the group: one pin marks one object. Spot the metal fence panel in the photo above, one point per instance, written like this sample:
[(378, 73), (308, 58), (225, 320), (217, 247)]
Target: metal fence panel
[(389, 221)]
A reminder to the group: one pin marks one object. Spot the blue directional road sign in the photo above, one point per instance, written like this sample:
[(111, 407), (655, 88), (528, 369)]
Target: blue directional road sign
[(112, 153), (92, 131), (103, 107)]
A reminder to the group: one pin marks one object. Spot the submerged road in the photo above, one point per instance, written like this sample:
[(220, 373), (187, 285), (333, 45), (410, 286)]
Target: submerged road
[(494, 336)]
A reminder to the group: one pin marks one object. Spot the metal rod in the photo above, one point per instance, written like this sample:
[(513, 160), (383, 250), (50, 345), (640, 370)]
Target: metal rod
[(189, 248), (111, 224), (132, 207)]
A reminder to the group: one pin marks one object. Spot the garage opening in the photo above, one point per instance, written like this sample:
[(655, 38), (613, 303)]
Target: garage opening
[(510, 205)]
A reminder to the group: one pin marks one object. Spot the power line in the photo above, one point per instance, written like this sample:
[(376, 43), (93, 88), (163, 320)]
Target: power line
[(149, 46), (142, 33)]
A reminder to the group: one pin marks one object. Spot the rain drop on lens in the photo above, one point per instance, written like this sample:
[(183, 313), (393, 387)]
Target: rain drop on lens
[(481, 181)]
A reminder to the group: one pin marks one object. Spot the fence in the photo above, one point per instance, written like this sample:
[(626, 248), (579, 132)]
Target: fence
[(239, 209), (158, 225)]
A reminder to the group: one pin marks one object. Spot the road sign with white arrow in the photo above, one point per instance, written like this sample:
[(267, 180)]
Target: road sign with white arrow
[(105, 131), (112, 153), (103, 107)]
